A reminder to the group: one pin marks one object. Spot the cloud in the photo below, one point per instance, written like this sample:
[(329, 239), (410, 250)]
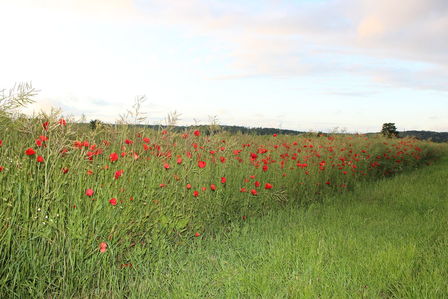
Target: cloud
[(286, 38)]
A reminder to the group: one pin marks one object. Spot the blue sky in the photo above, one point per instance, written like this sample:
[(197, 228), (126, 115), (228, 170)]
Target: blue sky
[(304, 65)]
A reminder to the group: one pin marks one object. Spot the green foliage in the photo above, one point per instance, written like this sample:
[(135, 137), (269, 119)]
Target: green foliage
[(389, 130), (51, 231)]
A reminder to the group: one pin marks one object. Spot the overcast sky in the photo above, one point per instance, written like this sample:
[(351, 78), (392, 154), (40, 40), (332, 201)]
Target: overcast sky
[(296, 64)]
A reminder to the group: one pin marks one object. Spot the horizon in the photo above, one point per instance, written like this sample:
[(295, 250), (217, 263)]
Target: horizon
[(309, 65)]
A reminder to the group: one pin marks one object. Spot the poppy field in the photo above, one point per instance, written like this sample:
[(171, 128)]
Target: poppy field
[(82, 209)]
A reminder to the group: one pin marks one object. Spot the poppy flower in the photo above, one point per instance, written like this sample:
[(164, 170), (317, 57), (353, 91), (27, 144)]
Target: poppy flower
[(146, 140), (1, 168), (113, 201), (162, 185), (118, 173), (30, 152), (257, 184), (201, 164), (64, 170), (38, 142), (62, 122), (223, 180), (195, 193), (1, 142), (204, 188), (253, 192), (222, 159), (274, 135), (45, 125), (188, 186), (113, 157), (197, 234), (265, 168), (103, 247), (166, 166), (179, 161), (197, 133), (127, 141), (242, 190), (268, 186), (89, 192), (40, 159), (213, 187)]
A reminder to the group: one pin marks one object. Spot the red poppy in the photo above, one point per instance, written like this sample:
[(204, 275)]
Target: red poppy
[(64, 170), (162, 185), (188, 186), (127, 141), (45, 125), (265, 168), (38, 142), (275, 135), (103, 247), (204, 188), (30, 152), (113, 201), (223, 180), (1, 142), (197, 234), (213, 187), (222, 159), (179, 161), (62, 122), (257, 184), (40, 159), (89, 192), (195, 193), (201, 164), (1, 168), (166, 166), (197, 133), (118, 173), (268, 186), (146, 140), (253, 191), (113, 157)]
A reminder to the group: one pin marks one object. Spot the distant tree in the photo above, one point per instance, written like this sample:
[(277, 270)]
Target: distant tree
[(94, 123), (389, 130)]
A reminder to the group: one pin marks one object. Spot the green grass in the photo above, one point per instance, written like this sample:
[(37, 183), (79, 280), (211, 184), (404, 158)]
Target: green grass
[(387, 239)]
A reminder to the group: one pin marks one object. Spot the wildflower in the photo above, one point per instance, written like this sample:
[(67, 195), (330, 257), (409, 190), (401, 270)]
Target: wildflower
[(197, 133), (30, 152), (257, 184), (213, 187), (113, 201), (268, 186), (195, 193), (166, 166), (1, 142), (197, 234), (179, 161), (223, 180), (40, 159), (118, 174), (103, 247), (64, 170), (162, 185), (201, 164), (188, 186), (89, 192), (113, 157), (1, 168), (127, 141), (146, 140), (45, 125), (62, 122), (253, 192)]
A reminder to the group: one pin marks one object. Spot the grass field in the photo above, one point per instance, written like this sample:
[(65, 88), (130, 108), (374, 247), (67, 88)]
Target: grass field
[(386, 239), (124, 211)]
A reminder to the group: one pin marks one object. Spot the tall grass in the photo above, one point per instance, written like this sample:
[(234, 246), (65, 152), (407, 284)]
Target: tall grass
[(142, 205)]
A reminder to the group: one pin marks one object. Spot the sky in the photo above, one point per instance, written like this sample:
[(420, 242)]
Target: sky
[(308, 65)]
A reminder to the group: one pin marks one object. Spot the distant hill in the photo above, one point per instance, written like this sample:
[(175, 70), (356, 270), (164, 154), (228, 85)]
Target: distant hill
[(426, 135)]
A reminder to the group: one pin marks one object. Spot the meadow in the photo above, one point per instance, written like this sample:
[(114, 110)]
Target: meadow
[(94, 212)]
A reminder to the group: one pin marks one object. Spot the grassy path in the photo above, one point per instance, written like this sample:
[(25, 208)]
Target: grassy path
[(384, 240)]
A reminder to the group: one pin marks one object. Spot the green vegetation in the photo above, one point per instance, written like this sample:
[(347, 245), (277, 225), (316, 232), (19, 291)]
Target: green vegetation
[(120, 211), (386, 239)]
